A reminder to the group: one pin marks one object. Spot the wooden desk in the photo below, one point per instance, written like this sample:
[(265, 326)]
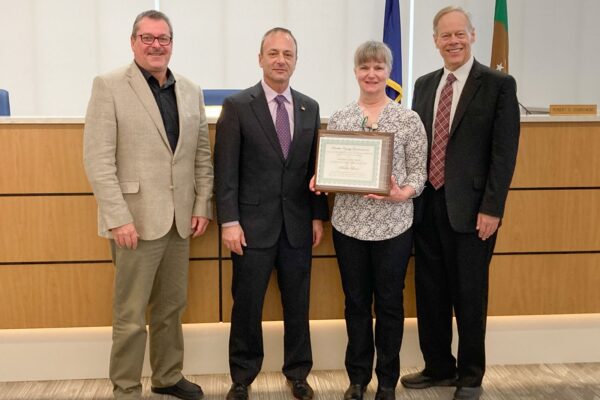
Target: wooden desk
[(56, 272)]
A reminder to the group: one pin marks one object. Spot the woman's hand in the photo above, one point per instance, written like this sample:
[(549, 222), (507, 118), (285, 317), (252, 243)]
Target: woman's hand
[(397, 193), (311, 186)]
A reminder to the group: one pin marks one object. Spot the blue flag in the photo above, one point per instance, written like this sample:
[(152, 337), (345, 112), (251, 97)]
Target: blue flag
[(392, 37)]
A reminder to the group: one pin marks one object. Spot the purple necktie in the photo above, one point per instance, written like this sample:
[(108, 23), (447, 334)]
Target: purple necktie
[(282, 125), (441, 129)]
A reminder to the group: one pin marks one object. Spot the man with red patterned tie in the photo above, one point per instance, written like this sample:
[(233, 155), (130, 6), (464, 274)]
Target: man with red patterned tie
[(471, 116)]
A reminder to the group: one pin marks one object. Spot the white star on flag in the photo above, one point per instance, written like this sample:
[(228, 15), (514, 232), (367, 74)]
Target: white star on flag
[(499, 67)]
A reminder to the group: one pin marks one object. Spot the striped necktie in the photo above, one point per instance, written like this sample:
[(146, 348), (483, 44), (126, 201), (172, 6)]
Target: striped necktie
[(441, 129)]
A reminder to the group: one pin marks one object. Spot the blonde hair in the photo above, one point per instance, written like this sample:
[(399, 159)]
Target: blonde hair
[(447, 10), (373, 50)]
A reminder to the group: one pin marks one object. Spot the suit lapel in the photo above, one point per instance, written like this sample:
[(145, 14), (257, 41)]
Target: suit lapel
[(181, 108), (143, 92), (429, 95), (263, 115), (471, 86)]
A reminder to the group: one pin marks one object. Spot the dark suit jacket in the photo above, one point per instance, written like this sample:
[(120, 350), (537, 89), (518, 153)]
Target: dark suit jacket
[(254, 183), (482, 149)]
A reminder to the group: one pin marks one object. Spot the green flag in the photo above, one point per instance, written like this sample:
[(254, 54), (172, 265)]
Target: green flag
[(500, 41)]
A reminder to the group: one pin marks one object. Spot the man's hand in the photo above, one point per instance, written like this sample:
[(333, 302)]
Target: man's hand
[(233, 237), (199, 225), (317, 228), (125, 236), (486, 225)]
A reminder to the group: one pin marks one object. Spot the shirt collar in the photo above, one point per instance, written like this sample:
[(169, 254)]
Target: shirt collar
[(270, 94), (148, 76), (461, 73)]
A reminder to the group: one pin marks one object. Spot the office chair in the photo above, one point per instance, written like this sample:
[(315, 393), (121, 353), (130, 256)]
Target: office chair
[(215, 97), (4, 103)]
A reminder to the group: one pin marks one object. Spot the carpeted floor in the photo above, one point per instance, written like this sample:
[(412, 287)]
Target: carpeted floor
[(513, 382)]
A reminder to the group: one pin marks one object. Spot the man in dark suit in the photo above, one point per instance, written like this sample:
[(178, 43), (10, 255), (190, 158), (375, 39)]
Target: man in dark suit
[(264, 158), (471, 116)]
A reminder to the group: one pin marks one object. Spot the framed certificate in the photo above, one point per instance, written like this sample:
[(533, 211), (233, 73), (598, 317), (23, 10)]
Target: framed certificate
[(354, 162)]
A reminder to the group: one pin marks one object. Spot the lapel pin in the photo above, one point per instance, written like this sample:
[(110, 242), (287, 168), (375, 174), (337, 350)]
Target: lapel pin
[(302, 108)]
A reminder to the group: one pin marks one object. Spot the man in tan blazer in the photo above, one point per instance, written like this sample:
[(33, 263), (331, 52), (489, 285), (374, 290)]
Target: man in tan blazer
[(147, 157)]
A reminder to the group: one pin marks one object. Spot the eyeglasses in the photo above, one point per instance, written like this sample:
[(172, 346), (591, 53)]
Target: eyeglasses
[(163, 40)]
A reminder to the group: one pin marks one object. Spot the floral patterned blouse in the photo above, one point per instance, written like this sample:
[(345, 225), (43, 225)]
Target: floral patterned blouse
[(368, 219)]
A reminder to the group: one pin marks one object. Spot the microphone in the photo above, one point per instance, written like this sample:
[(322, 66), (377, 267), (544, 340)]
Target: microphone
[(527, 112), (533, 110)]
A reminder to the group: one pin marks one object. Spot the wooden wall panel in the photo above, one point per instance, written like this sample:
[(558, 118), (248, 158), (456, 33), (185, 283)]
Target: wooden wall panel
[(42, 159), (207, 245), (55, 296), (558, 155), (212, 130), (551, 220), (64, 228), (46, 158), (203, 292), (325, 248), (67, 295), (410, 302), (326, 295), (70, 295), (50, 228), (544, 284)]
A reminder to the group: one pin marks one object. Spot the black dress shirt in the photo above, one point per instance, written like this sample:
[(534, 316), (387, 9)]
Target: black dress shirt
[(167, 104)]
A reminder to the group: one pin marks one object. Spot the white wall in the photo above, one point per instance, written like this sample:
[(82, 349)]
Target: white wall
[(50, 50), (32, 354)]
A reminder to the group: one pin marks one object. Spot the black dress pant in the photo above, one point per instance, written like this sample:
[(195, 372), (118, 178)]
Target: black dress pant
[(451, 275), (373, 270), (251, 273)]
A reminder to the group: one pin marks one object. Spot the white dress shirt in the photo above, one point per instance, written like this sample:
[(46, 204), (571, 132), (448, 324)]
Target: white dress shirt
[(461, 74), (289, 104)]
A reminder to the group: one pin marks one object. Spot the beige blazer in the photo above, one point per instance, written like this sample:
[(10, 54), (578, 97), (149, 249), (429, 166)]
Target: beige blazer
[(133, 172)]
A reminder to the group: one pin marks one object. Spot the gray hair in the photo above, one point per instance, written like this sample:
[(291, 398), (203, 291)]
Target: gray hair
[(447, 10), (152, 14), (278, 29), (373, 50)]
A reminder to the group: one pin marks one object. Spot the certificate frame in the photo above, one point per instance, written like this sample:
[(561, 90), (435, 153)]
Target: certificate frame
[(354, 162)]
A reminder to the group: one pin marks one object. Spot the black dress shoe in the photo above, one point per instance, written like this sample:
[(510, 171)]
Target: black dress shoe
[(420, 381), (354, 392), (237, 391), (183, 389), (301, 390), (384, 393), (467, 393)]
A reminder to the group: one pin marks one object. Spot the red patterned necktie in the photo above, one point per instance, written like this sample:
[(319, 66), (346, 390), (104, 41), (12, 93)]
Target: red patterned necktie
[(282, 125), (441, 129)]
